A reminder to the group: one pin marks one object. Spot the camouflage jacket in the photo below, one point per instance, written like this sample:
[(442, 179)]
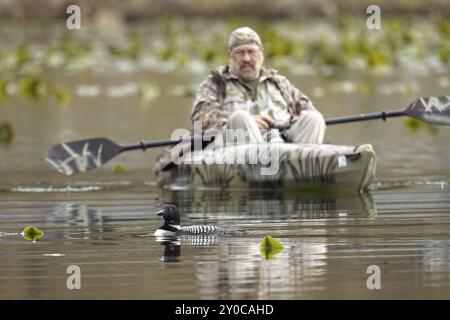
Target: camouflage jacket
[(221, 93)]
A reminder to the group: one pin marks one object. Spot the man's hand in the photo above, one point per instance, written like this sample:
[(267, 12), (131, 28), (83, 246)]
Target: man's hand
[(294, 119), (263, 122)]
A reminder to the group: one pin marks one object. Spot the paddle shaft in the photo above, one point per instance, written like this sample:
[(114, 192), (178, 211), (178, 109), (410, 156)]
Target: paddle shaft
[(161, 143), (363, 117)]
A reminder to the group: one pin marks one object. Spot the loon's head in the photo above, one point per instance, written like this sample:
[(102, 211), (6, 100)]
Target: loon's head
[(171, 216), (170, 213)]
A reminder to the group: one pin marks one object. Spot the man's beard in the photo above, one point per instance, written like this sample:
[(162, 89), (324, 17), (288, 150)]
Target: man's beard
[(248, 74)]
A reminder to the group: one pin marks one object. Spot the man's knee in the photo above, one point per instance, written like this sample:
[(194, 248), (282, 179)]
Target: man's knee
[(239, 117), (313, 118), (240, 114), (309, 128)]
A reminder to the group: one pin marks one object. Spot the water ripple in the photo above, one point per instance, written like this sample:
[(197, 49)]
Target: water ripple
[(55, 189)]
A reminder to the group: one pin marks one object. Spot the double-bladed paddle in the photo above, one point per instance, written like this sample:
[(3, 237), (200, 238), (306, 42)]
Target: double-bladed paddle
[(84, 155), (432, 110)]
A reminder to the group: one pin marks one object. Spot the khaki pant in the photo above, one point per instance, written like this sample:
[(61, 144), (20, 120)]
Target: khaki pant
[(309, 128)]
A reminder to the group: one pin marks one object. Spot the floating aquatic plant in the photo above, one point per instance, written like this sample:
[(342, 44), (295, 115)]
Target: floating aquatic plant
[(376, 57), (340, 44), (415, 125), (322, 53), (270, 247), (61, 94), (131, 50), (209, 53), (443, 51), (276, 44), (149, 90), (443, 25), (32, 87), (3, 88), (21, 54), (6, 133), (168, 52), (31, 233), (120, 169)]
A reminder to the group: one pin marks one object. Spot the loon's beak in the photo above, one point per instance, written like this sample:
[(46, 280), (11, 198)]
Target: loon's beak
[(160, 212)]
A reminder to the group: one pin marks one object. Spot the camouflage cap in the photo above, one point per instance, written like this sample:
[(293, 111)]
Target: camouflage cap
[(243, 35)]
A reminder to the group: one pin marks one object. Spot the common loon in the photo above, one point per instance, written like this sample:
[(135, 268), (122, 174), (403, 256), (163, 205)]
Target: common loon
[(172, 227)]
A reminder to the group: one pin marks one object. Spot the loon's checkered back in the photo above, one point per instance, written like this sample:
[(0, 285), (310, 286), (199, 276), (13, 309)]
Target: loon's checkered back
[(171, 226)]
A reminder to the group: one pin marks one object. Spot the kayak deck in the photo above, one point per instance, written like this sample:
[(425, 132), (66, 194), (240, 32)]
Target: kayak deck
[(280, 165)]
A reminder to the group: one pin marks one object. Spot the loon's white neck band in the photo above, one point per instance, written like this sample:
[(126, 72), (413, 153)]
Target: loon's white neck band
[(165, 232)]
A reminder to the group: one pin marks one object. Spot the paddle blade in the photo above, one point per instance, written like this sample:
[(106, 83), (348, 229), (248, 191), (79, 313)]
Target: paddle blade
[(433, 110), (81, 156)]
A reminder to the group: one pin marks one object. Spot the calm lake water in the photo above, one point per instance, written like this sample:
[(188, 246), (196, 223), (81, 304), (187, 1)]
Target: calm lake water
[(103, 221)]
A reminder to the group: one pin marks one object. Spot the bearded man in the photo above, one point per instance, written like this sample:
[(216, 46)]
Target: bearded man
[(244, 95)]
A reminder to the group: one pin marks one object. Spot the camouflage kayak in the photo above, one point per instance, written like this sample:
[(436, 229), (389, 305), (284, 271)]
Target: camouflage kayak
[(284, 165)]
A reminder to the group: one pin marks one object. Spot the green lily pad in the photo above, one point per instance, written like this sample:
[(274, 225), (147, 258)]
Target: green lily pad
[(120, 169), (32, 87), (3, 88), (270, 247), (31, 233), (415, 125), (22, 54), (6, 133), (61, 94)]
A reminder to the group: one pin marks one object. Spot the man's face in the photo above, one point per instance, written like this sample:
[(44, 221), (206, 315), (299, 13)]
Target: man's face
[(246, 61)]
